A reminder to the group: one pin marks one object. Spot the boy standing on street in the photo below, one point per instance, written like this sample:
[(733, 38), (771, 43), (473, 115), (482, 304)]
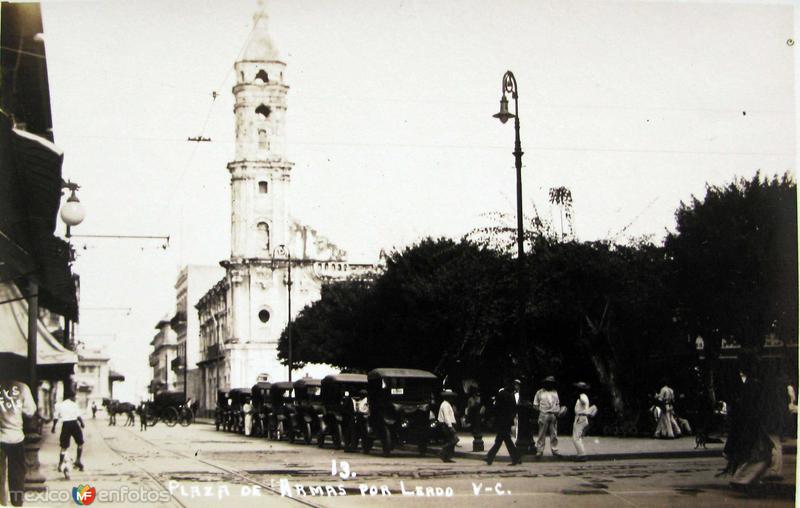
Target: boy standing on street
[(70, 414), (16, 400)]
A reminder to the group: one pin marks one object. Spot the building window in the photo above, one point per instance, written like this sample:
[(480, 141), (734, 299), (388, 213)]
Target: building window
[(261, 77), (263, 187), (262, 140), (263, 111), (263, 234), (263, 315)]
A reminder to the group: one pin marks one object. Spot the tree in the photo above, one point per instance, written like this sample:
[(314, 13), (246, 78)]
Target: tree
[(437, 302), (598, 311), (734, 263)]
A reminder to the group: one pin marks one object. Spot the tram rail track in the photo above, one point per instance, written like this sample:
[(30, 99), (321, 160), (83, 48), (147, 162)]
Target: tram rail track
[(233, 472)]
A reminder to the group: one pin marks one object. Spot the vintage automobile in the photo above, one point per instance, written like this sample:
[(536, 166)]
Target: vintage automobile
[(308, 408), (237, 397), (339, 415), (166, 407), (261, 408), (221, 411), (400, 407), (282, 416)]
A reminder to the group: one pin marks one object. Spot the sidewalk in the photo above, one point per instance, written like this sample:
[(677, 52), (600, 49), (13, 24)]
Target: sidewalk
[(610, 448), (600, 448)]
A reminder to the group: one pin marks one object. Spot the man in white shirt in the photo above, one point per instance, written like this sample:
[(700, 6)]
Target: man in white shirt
[(70, 414), (16, 400), (547, 403), (447, 419)]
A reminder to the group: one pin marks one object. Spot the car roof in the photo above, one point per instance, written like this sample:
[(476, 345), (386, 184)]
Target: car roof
[(306, 381), (262, 385), (283, 385), (345, 378), (240, 390), (406, 373)]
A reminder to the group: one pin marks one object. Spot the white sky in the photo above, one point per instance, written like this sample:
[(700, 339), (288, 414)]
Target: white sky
[(634, 106)]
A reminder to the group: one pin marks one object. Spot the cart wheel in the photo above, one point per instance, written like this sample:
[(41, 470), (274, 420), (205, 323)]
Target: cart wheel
[(307, 433), (366, 445), (171, 417), (386, 441), (216, 423)]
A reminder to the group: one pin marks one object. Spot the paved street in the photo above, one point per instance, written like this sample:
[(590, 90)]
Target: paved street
[(199, 466)]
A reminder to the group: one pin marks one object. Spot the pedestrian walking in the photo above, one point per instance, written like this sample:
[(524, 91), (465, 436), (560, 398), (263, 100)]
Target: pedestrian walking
[(748, 448), (774, 419), (447, 421), (547, 403), (583, 411), (16, 401), (71, 428), (474, 418), (94, 410), (505, 409), (142, 410), (667, 426)]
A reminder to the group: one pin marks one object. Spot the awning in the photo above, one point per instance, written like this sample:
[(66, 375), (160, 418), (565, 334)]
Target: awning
[(115, 376), (14, 331)]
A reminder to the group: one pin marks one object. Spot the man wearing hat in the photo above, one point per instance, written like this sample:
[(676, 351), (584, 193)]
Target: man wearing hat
[(582, 413), (547, 403), (505, 407), (447, 420)]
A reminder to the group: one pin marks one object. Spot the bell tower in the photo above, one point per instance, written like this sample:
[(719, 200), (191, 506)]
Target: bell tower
[(260, 173)]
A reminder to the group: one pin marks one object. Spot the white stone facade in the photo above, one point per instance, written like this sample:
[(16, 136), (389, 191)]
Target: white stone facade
[(241, 318)]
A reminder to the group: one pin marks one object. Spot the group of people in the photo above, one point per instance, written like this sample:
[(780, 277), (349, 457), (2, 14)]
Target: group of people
[(16, 406), (506, 409)]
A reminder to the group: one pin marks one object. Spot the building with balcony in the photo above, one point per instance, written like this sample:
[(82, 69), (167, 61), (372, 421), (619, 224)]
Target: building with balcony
[(192, 283), (165, 350)]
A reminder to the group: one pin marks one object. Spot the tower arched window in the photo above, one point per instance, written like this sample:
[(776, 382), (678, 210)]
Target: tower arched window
[(261, 77), (263, 235), (263, 187), (262, 140), (263, 111)]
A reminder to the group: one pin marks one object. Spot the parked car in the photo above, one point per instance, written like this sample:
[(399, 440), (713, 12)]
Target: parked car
[(262, 408), (282, 416), (339, 415), (308, 408), (238, 397), (400, 407)]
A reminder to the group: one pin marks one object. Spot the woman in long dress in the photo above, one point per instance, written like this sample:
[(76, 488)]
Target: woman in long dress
[(748, 448), (667, 426)]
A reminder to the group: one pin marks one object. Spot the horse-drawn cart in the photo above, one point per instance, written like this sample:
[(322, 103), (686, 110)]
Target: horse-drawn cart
[(170, 408)]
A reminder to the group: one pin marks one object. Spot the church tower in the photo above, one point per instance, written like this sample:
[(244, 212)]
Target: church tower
[(260, 173)]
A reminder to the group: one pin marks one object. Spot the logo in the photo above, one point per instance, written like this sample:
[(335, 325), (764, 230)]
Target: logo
[(83, 494)]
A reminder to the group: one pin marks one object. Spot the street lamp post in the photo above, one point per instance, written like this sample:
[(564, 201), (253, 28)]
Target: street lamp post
[(509, 86), (283, 251), (72, 214)]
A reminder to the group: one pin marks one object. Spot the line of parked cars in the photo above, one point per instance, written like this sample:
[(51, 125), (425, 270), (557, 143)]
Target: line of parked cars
[(388, 406)]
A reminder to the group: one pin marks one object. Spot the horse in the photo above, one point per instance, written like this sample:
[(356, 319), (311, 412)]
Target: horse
[(115, 407)]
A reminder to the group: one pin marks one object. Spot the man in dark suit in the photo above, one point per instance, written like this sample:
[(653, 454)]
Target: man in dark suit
[(505, 408)]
